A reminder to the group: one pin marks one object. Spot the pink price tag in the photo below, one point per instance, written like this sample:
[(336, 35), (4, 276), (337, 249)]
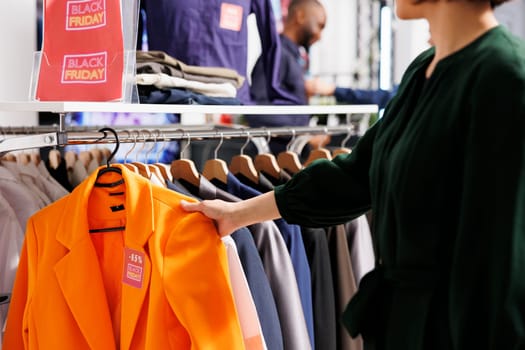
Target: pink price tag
[(231, 17), (133, 273)]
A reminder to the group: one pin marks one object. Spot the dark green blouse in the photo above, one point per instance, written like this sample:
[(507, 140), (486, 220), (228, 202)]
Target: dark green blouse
[(444, 174)]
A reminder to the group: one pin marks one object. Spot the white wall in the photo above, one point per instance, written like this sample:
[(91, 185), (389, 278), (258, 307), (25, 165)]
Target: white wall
[(18, 38), (410, 39), (336, 51), (512, 15)]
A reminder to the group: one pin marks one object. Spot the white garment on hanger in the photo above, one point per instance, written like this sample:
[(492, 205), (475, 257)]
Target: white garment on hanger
[(93, 165), (19, 197), (77, 174), (27, 180), (11, 240), (53, 188), (32, 171), (250, 324)]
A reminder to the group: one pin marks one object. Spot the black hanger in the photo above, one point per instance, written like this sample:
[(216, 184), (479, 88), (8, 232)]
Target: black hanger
[(4, 298), (108, 167)]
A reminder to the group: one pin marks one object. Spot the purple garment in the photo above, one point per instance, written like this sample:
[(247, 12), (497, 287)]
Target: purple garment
[(214, 34)]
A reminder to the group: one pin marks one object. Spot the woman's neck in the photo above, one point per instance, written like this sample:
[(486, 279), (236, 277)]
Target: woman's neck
[(455, 24)]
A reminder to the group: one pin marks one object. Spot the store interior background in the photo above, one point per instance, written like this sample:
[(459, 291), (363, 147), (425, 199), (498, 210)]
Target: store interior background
[(363, 45)]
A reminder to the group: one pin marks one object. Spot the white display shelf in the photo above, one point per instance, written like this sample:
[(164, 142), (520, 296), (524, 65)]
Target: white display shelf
[(68, 107)]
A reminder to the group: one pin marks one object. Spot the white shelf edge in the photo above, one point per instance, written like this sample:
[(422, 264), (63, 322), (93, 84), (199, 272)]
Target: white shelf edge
[(68, 107)]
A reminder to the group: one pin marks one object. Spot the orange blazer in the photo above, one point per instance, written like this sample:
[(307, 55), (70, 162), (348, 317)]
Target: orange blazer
[(166, 286)]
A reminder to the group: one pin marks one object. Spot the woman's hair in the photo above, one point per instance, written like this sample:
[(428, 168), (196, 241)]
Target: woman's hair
[(493, 3)]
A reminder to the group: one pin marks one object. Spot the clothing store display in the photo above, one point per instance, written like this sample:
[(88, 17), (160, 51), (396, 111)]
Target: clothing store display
[(155, 67), (179, 96), (345, 286), (215, 33), (267, 266), (164, 81), (250, 260), (409, 155), (399, 225), (122, 289), (294, 331), (251, 328), (161, 62), (253, 266), (323, 294), (292, 238)]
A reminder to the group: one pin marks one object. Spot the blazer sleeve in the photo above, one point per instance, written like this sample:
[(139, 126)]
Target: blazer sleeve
[(487, 287), (197, 284)]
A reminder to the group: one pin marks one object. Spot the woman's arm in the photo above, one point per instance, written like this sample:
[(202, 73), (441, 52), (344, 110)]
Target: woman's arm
[(230, 216)]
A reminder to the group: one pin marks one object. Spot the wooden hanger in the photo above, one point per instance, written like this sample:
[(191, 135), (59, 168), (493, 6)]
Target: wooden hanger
[(97, 155), (35, 157), (23, 158), (164, 169), (343, 149), (143, 168), (9, 157), (318, 153), (153, 172), (85, 157), (55, 158), (157, 176), (216, 168), (71, 158), (266, 162), (243, 164), (289, 160), (184, 168), (131, 166)]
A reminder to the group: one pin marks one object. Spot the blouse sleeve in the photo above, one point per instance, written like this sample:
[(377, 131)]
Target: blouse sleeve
[(487, 286), (329, 192)]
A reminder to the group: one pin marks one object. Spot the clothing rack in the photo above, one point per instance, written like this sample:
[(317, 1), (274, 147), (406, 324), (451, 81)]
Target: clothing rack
[(159, 133), (62, 135)]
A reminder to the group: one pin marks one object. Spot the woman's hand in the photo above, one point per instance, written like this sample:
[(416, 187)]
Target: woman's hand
[(230, 216), (218, 210)]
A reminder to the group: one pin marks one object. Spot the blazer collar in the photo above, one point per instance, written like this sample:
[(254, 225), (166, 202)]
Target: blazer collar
[(139, 210), (81, 260), (207, 190)]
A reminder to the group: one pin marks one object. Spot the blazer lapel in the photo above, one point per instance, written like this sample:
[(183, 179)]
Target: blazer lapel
[(79, 278), (137, 264), (78, 271), (79, 275)]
